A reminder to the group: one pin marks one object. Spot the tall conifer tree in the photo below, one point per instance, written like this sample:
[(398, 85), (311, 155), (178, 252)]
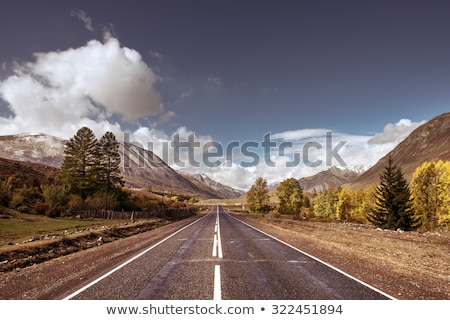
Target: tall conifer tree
[(81, 163), (392, 209), (110, 174)]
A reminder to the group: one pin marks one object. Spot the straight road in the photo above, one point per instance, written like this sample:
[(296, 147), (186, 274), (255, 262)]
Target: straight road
[(219, 257)]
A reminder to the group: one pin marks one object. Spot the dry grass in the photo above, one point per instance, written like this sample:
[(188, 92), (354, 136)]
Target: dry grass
[(20, 227)]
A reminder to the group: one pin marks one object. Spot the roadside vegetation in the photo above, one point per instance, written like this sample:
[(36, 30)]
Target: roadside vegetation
[(394, 204), (90, 179), (89, 184)]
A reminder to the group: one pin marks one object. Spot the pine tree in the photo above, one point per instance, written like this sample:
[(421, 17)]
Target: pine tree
[(258, 197), (110, 175), (392, 209), (81, 164)]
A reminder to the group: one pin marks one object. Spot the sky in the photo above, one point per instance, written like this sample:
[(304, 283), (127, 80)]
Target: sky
[(252, 84)]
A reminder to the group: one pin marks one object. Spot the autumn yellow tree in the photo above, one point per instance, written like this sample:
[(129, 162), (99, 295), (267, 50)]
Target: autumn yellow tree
[(258, 196), (290, 197), (430, 191), (345, 205), (444, 196), (364, 200), (325, 203)]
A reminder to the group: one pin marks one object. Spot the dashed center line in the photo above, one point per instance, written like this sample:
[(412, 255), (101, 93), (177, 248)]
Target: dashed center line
[(217, 284), (217, 243), (217, 252)]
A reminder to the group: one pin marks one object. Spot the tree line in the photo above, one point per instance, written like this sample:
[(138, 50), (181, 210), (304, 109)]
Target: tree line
[(393, 204), (90, 178)]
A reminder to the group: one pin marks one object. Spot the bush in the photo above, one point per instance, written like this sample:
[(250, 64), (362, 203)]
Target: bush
[(56, 197), (40, 207)]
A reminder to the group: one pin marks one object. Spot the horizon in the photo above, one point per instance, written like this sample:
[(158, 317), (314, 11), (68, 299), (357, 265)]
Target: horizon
[(294, 70)]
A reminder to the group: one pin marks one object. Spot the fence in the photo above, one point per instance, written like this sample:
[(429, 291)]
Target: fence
[(160, 212)]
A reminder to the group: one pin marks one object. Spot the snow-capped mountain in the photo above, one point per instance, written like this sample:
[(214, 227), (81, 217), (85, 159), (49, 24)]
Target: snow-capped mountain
[(141, 168), (227, 191), (33, 147), (333, 177)]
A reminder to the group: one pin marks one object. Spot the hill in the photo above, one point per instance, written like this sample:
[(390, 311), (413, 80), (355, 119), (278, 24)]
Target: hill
[(203, 180), (141, 168), (333, 177), (429, 142), (34, 148), (144, 169), (31, 174)]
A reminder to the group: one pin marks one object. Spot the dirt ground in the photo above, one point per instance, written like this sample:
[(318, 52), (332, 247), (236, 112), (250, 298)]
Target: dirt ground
[(406, 265)]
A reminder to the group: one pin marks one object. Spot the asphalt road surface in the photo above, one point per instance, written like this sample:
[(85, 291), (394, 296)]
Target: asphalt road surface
[(219, 257)]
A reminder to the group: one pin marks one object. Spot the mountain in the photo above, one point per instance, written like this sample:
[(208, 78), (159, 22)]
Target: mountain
[(141, 168), (144, 169), (333, 177), (31, 174), (226, 191), (429, 142), (33, 147)]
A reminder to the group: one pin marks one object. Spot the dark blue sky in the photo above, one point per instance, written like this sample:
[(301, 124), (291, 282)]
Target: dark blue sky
[(236, 70)]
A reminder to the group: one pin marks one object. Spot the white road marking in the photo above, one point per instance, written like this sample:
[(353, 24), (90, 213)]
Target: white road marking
[(217, 243), (214, 252), (217, 252), (217, 283), (127, 262), (318, 260)]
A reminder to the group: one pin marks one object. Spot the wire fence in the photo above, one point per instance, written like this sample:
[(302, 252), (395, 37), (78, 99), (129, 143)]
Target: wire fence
[(160, 212)]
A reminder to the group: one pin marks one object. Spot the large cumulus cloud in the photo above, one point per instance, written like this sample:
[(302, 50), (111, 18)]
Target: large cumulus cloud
[(63, 90)]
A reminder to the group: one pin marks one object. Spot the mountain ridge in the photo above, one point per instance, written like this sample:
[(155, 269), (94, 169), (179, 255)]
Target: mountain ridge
[(428, 142), (141, 168), (333, 177)]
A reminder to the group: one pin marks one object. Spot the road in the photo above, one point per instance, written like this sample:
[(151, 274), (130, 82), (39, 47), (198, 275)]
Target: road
[(219, 257)]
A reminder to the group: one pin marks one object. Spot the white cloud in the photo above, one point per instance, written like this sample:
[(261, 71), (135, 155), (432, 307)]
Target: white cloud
[(156, 55), (166, 117), (354, 150), (213, 82), (187, 94), (64, 89), (301, 134), (394, 133), (83, 17)]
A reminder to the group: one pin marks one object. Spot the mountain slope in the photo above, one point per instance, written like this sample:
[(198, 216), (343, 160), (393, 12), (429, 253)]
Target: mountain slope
[(141, 168), (429, 142), (333, 177), (31, 174), (225, 191), (33, 147)]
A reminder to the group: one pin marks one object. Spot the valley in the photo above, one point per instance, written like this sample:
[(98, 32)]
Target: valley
[(406, 265)]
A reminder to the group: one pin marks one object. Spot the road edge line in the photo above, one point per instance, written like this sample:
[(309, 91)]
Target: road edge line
[(107, 274), (317, 259)]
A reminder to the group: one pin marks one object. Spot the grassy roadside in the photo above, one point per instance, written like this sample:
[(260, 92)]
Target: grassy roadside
[(22, 228), (29, 239)]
